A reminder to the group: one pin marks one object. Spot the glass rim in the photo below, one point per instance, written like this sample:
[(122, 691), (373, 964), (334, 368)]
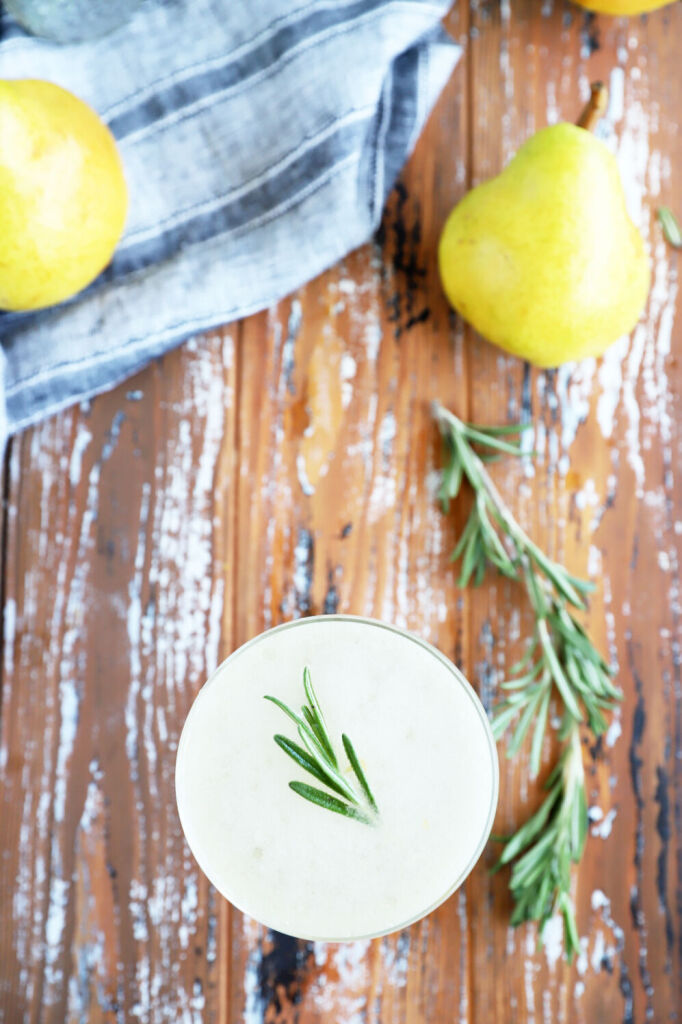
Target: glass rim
[(475, 701)]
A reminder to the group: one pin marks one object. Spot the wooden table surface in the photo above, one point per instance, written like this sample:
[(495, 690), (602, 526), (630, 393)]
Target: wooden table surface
[(286, 465)]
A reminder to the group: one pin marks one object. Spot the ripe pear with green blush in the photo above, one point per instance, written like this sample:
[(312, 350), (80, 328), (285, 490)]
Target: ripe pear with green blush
[(617, 8), (544, 260)]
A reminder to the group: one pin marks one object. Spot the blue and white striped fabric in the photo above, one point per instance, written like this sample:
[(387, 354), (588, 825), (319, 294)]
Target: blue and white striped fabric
[(260, 139)]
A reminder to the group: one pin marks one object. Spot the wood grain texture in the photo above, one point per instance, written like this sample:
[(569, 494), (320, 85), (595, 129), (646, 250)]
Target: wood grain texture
[(287, 465)]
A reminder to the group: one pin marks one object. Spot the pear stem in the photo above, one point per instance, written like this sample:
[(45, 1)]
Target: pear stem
[(595, 107)]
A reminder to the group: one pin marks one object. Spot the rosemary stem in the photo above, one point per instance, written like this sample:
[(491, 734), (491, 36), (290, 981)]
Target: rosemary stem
[(574, 773)]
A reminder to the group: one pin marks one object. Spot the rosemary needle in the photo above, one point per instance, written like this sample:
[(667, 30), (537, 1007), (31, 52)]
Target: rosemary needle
[(671, 227)]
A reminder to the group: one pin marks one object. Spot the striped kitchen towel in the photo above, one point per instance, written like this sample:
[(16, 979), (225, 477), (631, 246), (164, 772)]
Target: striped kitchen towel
[(260, 139)]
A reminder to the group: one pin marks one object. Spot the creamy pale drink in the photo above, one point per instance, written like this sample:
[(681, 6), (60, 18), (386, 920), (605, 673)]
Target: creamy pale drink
[(355, 798)]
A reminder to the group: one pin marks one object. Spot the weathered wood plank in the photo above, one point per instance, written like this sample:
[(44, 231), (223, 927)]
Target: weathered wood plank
[(114, 594)]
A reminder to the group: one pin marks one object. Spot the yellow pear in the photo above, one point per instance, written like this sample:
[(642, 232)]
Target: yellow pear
[(622, 7), (544, 260), (63, 197)]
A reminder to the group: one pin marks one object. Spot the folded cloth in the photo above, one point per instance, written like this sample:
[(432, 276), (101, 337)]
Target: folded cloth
[(260, 139)]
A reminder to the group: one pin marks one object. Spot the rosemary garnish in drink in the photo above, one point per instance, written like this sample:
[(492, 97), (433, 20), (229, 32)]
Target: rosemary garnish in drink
[(560, 663), (317, 757)]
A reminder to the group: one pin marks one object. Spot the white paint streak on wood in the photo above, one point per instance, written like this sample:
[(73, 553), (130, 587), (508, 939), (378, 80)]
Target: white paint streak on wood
[(463, 919), (81, 442), (553, 940), (345, 998), (254, 1008)]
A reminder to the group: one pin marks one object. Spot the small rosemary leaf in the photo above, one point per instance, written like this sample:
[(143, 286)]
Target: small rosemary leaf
[(609, 695), (503, 717), (539, 732), (522, 907), (570, 621), (594, 705), (484, 524), (491, 441), (496, 551), (600, 680), (535, 696), (538, 857), (511, 428), (575, 628), (528, 864), (536, 594), (320, 729), (573, 636), (671, 228), (583, 666), (562, 683), (455, 480), (566, 727), (472, 558), (572, 940), (522, 696), (493, 455), (314, 725), (451, 480), (310, 718), (523, 680), (542, 904), (614, 693), (311, 695), (471, 526), (521, 913), (595, 719), (302, 758), (554, 776), (325, 765), (287, 711), (604, 702), (579, 823), (602, 675), (526, 658), (467, 459), (533, 872), (574, 671), (501, 560), (443, 497), (330, 803), (557, 576), (531, 828), (357, 768), (480, 573), (503, 565), (584, 586), (312, 740)]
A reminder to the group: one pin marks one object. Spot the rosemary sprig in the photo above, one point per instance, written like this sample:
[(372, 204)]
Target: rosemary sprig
[(560, 663), (317, 757)]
